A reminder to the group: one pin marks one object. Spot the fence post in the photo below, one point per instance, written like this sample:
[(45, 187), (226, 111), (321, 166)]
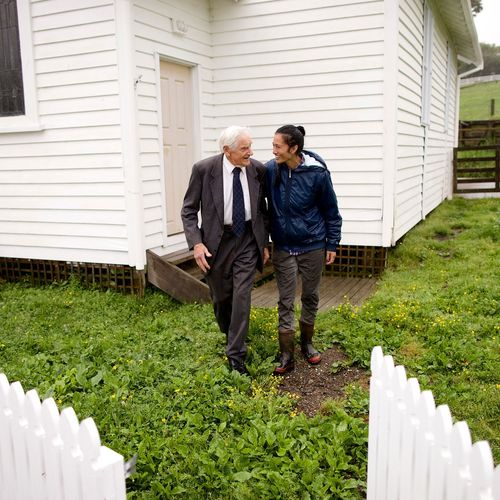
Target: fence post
[(497, 168)]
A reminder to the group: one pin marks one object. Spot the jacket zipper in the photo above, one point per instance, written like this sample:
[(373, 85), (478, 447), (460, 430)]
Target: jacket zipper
[(287, 200)]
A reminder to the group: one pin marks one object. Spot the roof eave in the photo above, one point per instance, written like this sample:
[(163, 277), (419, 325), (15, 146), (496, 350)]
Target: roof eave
[(462, 30)]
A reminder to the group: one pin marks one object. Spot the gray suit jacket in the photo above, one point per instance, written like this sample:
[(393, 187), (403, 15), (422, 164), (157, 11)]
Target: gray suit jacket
[(206, 192)]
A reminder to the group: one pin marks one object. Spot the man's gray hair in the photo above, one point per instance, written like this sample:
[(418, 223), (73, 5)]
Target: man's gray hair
[(229, 136)]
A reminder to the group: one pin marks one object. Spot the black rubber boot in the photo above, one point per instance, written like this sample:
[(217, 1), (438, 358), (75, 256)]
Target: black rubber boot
[(312, 356), (287, 347)]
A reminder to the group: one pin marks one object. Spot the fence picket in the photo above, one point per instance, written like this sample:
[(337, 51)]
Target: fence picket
[(47, 455), (377, 358), (409, 429), (458, 472), (19, 427), (383, 428), (37, 486), (397, 412), (52, 449), (425, 412), (440, 457), (71, 454), (415, 452), (496, 483), (481, 468), (6, 446), (90, 443)]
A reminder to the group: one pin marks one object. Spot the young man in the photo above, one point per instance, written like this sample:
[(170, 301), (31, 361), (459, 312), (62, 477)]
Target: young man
[(305, 224)]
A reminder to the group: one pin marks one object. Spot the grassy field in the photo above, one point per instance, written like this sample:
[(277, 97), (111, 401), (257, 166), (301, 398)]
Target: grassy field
[(475, 101), (152, 372)]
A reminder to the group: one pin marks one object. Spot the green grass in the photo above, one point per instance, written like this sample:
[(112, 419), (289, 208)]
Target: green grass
[(152, 373), (475, 101), (153, 376)]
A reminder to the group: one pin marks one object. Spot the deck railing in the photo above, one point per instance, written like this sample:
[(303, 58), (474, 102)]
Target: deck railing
[(415, 452), (476, 169), (47, 455)]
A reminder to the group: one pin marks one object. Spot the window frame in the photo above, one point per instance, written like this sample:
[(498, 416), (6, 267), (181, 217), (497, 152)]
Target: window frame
[(30, 120)]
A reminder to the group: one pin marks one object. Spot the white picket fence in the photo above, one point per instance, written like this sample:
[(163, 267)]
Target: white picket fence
[(415, 452), (47, 455)]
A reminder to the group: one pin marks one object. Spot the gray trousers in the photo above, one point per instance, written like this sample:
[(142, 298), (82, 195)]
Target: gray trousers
[(230, 279), (287, 269)]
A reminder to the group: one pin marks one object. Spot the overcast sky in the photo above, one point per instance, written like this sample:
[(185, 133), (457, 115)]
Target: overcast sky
[(488, 22)]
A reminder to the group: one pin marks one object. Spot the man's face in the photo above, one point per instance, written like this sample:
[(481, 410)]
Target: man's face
[(281, 151), (242, 152)]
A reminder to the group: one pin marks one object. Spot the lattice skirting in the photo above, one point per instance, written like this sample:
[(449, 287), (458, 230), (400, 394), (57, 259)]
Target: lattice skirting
[(358, 261), (44, 272)]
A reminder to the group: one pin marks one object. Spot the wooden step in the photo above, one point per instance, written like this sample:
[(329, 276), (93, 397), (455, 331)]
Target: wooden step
[(178, 275), (175, 281)]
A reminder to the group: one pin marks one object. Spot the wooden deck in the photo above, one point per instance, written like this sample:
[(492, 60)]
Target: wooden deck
[(334, 290)]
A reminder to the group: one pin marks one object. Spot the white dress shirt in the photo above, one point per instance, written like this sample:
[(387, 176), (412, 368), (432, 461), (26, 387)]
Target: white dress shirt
[(227, 176)]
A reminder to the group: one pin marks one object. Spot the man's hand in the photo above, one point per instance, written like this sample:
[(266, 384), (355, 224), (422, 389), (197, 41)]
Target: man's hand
[(330, 257), (266, 255), (200, 256)]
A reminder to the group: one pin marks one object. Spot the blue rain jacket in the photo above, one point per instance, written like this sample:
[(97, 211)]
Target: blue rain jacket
[(303, 206)]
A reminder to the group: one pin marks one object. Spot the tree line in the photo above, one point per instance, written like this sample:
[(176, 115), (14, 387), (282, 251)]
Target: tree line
[(491, 58)]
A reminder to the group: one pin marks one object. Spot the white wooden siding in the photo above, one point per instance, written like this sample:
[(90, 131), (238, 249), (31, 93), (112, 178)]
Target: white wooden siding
[(423, 179), (153, 38), (410, 140), (65, 191), (438, 168), (61, 189), (316, 63)]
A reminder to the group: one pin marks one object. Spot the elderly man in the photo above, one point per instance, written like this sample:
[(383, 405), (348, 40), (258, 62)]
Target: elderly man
[(231, 242)]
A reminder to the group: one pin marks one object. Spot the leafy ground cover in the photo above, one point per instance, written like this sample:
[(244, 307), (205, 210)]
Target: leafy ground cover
[(152, 372), (475, 101)]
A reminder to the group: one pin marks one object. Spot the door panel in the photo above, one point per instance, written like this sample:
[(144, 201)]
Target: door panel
[(177, 122)]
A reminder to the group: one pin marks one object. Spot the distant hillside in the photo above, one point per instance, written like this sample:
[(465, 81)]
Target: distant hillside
[(475, 101)]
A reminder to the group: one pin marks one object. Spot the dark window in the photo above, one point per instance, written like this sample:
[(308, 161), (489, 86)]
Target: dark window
[(11, 74)]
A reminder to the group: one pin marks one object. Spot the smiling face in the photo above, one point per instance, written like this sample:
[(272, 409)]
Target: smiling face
[(283, 152), (242, 151)]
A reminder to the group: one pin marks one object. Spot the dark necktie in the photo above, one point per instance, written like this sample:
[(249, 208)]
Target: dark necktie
[(238, 204)]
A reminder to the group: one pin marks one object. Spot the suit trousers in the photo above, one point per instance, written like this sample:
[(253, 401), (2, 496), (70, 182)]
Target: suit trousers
[(287, 268), (230, 280)]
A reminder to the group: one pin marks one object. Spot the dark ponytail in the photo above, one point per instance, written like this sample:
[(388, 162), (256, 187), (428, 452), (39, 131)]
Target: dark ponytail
[(293, 136)]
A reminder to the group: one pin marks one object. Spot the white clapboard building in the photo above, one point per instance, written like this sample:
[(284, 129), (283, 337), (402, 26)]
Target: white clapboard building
[(106, 104)]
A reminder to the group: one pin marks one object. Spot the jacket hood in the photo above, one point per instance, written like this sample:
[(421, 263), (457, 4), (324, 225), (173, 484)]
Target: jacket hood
[(311, 160)]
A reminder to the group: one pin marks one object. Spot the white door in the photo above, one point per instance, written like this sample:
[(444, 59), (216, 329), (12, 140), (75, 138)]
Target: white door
[(177, 122)]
